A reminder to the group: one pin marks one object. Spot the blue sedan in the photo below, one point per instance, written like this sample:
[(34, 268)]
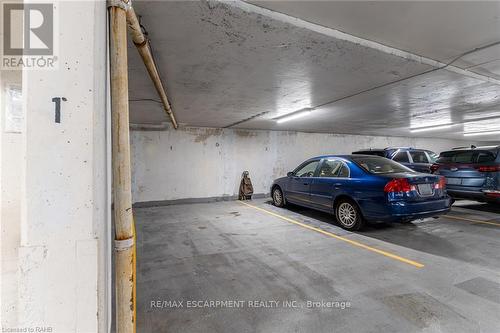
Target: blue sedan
[(360, 188)]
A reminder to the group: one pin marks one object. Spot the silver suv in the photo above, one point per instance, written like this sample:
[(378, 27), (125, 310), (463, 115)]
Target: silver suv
[(471, 173)]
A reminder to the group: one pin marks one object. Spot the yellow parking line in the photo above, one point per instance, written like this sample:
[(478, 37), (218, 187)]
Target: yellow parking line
[(366, 247), (471, 220)]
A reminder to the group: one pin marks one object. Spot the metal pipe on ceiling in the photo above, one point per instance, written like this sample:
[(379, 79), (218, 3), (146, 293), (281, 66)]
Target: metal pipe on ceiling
[(142, 44)]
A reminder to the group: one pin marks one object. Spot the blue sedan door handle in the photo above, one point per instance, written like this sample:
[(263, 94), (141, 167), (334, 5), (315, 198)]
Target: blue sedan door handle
[(337, 185)]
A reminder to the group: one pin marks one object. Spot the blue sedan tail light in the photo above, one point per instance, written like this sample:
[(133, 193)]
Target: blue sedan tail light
[(441, 185), (397, 188), (398, 185)]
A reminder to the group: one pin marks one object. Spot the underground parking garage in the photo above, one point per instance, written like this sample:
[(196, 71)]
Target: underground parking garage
[(250, 166)]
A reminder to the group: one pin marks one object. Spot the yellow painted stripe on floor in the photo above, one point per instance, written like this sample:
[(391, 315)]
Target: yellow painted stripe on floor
[(471, 220), (352, 242)]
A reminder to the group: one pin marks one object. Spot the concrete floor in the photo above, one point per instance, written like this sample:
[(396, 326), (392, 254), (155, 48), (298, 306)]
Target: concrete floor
[(227, 251)]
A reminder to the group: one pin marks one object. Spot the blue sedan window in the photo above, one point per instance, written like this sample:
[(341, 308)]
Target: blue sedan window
[(307, 170), (344, 171), (330, 168), (333, 168), (380, 165)]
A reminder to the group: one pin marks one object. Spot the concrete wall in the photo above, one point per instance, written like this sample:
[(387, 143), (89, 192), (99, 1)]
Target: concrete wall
[(11, 157), (54, 187), (207, 162)]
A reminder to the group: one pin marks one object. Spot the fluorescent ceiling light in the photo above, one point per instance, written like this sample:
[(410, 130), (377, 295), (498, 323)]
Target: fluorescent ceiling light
[(482, 115), (295, 115), (431, 128), (482, 126), (483, 133)]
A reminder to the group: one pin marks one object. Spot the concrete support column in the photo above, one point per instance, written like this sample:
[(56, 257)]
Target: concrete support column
[(57, 224)]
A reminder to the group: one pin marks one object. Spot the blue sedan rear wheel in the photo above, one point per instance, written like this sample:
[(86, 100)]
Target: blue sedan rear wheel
[(348, 215), (278, 198)]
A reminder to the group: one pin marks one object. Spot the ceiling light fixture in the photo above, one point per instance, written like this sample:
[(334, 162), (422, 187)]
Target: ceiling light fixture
[(482, 133), (431, 128), (294, 115)]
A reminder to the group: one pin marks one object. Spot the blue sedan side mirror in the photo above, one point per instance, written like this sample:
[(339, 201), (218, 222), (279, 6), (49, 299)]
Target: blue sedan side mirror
[(289, 174)]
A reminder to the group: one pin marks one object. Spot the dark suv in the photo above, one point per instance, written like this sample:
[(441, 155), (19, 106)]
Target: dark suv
[(417, 159), (471, 173)]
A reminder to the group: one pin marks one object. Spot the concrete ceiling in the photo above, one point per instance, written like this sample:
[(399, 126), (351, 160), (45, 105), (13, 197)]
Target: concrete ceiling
[(441, 30), (223, 63)]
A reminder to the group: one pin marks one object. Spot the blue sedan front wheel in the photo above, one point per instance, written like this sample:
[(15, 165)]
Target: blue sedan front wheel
[(348, 215), (278, 198)]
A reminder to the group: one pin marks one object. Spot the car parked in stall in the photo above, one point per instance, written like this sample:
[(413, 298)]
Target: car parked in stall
[(471, 173), (362, 188), (417, 159)]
